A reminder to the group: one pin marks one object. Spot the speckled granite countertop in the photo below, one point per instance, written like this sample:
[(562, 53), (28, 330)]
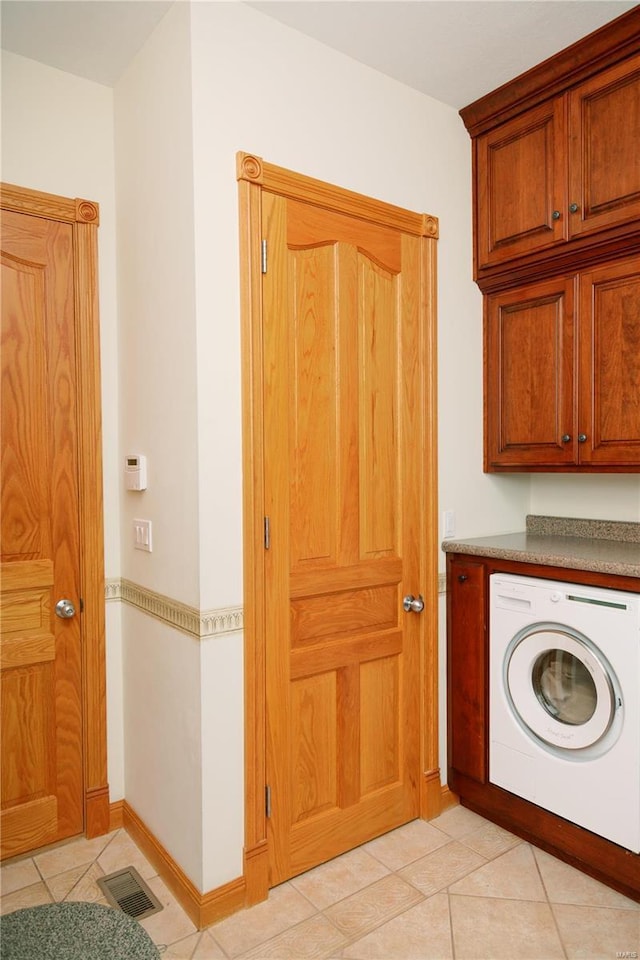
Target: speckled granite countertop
[(601, 545)]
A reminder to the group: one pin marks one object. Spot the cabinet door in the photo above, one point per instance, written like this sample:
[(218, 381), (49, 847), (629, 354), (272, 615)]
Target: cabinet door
[(520, 177), (604, 152), (467, 669), (609, 414), (530, 410)]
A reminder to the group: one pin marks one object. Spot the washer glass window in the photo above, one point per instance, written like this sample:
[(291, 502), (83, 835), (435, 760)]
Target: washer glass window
[(562, 690), (564, 687)]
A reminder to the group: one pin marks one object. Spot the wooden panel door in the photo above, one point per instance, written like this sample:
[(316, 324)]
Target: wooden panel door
[(41, 675), (610, 364), (604, 188), (344, 491), (530, 410), (521, 185)]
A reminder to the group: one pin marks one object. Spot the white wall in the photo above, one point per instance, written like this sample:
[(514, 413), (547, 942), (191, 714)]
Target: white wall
[(157, 333), (161, 669), (263, 88), (593, 496), (57, 136), (159, 418)]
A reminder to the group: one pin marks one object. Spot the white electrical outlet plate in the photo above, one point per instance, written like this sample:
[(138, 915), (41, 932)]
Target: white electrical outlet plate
[(448, 524), (142, 535)]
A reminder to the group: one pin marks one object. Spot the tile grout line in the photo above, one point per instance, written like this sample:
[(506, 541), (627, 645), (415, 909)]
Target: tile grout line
[(549, 901), (349, 940), (451, 932)]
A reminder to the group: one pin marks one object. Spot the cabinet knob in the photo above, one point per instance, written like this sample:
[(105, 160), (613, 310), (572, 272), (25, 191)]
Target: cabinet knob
[(582, 437), (555, 215), (566, 437), (574, 207), (462, 577)]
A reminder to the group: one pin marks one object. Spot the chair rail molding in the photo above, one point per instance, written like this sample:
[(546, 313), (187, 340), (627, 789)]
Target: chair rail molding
[(200, 624)]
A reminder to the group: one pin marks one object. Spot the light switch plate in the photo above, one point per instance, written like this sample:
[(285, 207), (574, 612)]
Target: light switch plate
[(142, 535)]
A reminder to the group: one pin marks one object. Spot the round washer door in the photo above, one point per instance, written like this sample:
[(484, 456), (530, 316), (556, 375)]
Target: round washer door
[(561, 688)]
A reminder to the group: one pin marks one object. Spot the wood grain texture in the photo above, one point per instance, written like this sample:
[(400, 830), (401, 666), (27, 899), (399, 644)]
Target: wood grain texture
[(529, 150), (351, 611), (561, 360), (41, 697), (604, 159), (340, 493), (429, 552), (468, 668), (610, 364), (530, 358), (380, 721), (379, 356), (91, 526), (48, 205), (29, 826), (557, 175), (318, 416), (51, 375), (255, 850), (287, 183), (314, 395)]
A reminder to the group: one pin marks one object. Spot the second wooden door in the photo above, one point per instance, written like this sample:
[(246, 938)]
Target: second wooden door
[(345, 487), (42, 714)]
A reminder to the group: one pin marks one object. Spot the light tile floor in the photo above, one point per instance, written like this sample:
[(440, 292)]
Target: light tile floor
[(456, 887)]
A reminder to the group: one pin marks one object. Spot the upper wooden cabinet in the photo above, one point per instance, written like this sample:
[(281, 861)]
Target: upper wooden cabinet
[(562, 373), (609, 366), (556, 156), (562, 171), (604, 151), (521, 186)]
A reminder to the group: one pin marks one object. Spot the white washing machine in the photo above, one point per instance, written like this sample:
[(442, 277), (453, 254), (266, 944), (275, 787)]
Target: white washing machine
[(564, 700)]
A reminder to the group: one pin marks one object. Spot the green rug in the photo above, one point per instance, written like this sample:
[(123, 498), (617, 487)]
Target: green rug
[(73, 931)]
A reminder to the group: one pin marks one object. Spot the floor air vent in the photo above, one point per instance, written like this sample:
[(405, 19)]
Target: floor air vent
[(126, 890)]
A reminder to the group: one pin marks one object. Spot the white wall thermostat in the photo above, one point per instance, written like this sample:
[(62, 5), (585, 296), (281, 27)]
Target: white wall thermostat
[(135, 472)]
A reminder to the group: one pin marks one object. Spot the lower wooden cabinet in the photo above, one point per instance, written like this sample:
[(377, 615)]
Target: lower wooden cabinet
[(467, 681), (468, 648), (562, 373)]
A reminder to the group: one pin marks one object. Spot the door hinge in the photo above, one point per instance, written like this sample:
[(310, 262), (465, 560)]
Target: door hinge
[(267, 801), (267, 533), (263, 256)]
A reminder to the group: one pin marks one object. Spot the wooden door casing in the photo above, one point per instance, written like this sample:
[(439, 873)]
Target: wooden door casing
[(324, 643), (53, 705)]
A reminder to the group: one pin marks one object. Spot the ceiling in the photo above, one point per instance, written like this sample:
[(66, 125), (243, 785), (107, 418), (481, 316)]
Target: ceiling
[(453, 50)]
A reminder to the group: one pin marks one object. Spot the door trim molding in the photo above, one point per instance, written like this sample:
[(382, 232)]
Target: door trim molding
[(296, 186), (255, 175), (84, 216)]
